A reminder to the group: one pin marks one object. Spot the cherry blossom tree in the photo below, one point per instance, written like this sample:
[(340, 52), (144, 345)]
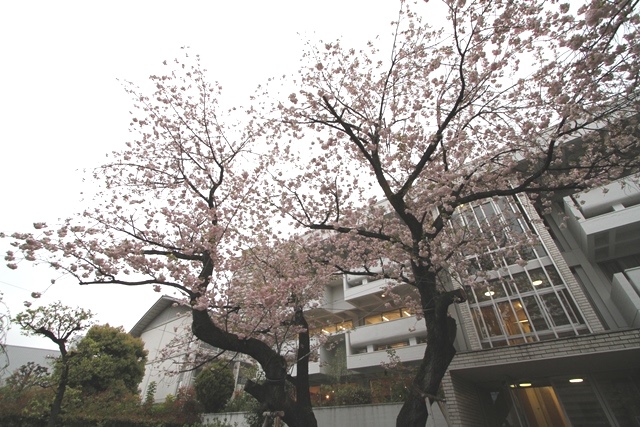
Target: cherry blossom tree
[(60, 324), (179, 210), (508, 98)]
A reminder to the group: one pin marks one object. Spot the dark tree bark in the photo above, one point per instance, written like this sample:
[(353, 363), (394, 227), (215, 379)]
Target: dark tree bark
[(56, 406), (278, 392), (441, 333)]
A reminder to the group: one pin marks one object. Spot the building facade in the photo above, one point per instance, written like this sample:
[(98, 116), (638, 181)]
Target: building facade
[(553, 342)]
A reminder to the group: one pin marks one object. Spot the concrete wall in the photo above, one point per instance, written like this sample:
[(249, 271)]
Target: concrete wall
[(625, 293), (383, 415)]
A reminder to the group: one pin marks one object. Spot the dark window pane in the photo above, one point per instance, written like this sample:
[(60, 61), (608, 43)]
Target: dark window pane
[(581, 404), (535, 314), (539, 279), (555, 310), (623, 396)]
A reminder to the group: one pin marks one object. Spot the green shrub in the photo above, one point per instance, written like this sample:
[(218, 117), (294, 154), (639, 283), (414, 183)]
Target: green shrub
[(214, 386)]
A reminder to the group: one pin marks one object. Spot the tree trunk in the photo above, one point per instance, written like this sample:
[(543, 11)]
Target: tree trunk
[(56, 406), (441, 332), (278, 392)]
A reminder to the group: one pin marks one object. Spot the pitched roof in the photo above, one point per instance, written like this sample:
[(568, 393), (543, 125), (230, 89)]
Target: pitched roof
[(156, 309)]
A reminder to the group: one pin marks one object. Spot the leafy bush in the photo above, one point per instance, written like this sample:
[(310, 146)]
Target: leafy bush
[(214, 386), (351, 394), (344, 394)]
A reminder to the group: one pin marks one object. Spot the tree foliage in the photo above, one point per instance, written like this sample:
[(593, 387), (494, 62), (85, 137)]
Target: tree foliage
[(214, 386), (107, 358), (28, 376)]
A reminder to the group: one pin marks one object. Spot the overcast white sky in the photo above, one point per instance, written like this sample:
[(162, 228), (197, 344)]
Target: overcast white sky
[(61, 108)]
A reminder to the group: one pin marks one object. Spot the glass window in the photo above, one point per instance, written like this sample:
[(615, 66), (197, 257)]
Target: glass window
[(332, 328), (539, 279), (387, 316), (514, 318), (527, 306), (477, 319), (373, 319), (555, 309), (535, 314), (581, 403), (391, 315), (573, 311), (541, 407), (491, 321), (391, 346), (622, 394), (345, 325)]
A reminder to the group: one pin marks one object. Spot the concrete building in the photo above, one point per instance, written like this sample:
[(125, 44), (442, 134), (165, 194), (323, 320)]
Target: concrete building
[(552, 343)]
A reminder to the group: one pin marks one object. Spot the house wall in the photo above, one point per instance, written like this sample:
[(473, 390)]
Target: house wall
[(161, 331)]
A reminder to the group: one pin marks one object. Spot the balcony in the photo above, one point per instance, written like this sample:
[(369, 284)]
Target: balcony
[(387, 332), (376, 358), (625, 293), (356, 289), (605, 225)]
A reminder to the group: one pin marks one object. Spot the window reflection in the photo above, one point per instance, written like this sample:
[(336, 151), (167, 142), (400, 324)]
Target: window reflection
[(388, 316), (528, 306)]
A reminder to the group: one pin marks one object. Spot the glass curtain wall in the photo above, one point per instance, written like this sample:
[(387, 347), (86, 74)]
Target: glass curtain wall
[(518, 304)]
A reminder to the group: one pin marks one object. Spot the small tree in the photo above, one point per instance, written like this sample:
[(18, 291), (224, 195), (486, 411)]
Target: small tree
[(60, 324), (28, 376), (214, 386), (107, 358)]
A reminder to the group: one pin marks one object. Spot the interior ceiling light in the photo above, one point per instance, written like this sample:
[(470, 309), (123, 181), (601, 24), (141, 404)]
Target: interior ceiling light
[(576, 380), (489, 293), (525, 384), (537, 282)]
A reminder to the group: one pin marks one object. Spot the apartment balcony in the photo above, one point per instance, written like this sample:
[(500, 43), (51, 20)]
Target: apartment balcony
[(625, 293), (361, 288), (376, 358), (317, 368), (387, 332), (606, 225)]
